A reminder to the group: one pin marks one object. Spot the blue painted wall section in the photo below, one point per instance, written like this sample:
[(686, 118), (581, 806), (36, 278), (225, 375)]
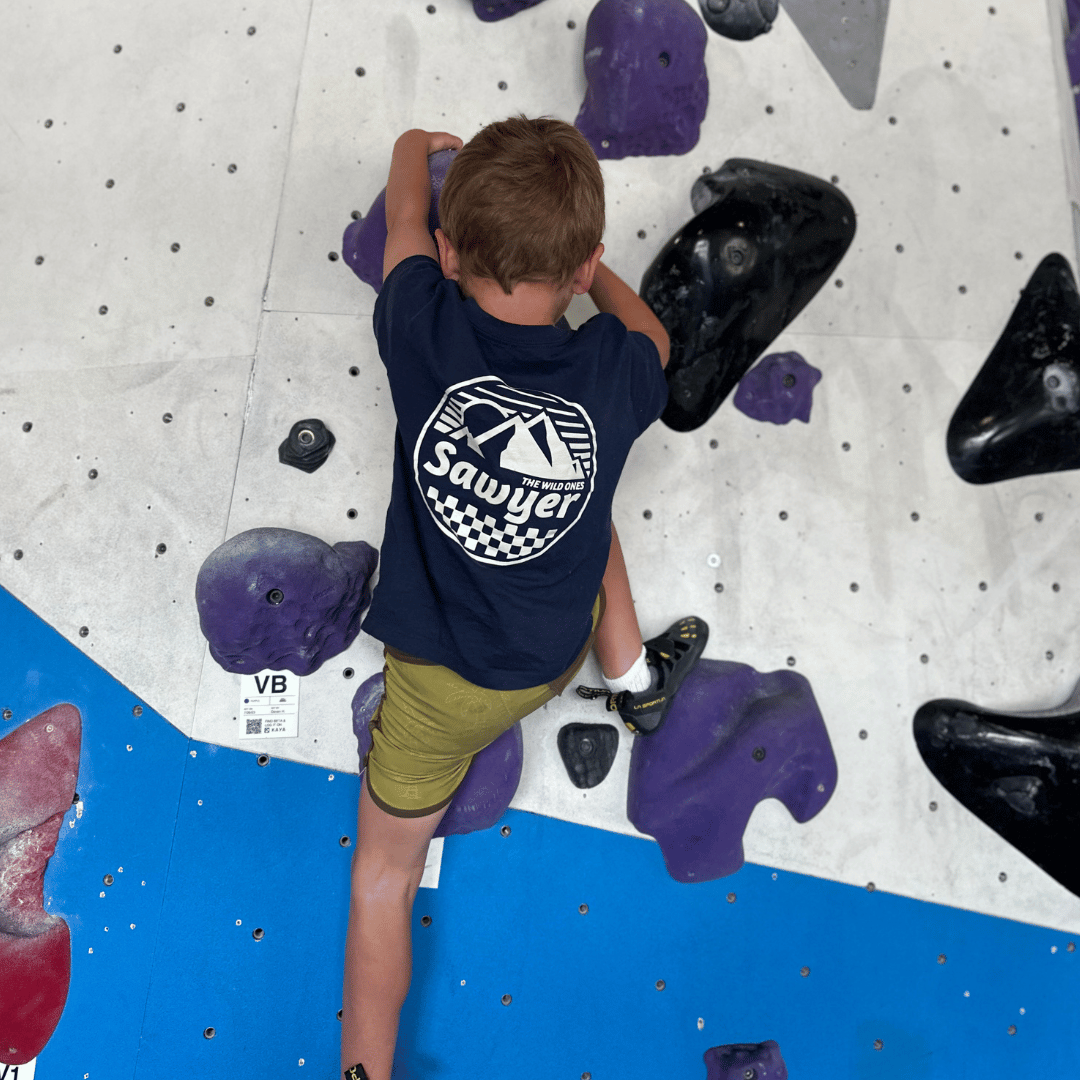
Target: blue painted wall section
[(940, 988)]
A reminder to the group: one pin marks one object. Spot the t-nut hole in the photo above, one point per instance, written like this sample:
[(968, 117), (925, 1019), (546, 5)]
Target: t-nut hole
[(345, 841), (665, 59), (275, 597), (258, 933), (209, 1033), (263, 760)]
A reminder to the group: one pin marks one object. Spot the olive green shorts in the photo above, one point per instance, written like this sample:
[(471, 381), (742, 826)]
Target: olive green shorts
[(431, 723)]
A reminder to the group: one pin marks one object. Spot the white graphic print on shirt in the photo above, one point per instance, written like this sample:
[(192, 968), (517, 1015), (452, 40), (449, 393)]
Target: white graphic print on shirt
[(505, 472)]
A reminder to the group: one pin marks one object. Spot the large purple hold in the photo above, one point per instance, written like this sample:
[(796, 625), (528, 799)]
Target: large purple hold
[(733, 737), (779, 388), (274, 598), (489, 785), (760, 1061), (364, 241), (648, 87), (494, 10)]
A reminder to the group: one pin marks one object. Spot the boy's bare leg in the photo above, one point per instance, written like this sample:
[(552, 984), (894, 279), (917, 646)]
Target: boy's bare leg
[(618, 637), (386, 872)]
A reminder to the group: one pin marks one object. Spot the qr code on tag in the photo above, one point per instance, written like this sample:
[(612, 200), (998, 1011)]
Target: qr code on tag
[(254, 725)]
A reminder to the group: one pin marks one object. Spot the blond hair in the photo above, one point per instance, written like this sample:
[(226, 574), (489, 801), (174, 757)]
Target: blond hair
[(523, 201)]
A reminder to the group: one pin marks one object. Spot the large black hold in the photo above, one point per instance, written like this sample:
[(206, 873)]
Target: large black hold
[(588, 752), (1022, 413), (764, 241), (1019, 773)]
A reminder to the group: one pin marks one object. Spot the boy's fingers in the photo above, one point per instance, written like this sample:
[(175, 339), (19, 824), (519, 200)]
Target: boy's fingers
[(443, 140)]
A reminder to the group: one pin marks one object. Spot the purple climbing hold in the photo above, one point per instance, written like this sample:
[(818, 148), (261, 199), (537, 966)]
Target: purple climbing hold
[(274, 598), (740, 20), (489, 785), (648, 88), (364, 241), (494, 10), (733, 737), (779, 388), (759, 1061)]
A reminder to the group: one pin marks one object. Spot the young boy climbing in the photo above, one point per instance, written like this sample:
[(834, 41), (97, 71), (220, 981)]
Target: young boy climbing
[(500, 564)]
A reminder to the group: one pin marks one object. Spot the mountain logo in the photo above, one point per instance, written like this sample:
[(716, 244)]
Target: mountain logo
[(505, 472)]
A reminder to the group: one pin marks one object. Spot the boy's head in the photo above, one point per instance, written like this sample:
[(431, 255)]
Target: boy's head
[(523, 201)]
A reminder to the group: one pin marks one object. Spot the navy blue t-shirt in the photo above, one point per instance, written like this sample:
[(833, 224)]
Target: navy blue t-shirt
[(509, 444)]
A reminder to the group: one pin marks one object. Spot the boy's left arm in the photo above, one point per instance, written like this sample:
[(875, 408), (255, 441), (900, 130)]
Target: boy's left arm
[(408, 196)]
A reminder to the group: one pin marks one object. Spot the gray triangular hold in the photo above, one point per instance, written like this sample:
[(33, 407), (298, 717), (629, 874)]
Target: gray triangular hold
[(848, 37)]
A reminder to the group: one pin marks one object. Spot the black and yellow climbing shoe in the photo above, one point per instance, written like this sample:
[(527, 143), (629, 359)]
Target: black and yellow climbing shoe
[(671, 655)]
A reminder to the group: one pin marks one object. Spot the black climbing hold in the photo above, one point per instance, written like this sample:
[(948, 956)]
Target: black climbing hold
[(588, 751), (1020, 774), (308, 445), (1022, 413), (764, 241), (739, 20)]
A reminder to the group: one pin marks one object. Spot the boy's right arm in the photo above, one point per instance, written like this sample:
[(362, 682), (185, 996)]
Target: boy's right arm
[(611, 294)]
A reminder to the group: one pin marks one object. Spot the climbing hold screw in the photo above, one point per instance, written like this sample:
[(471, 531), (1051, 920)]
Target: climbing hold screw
[(505, 830), (167, 418), (108, 879), (878, 1044), (718, 587), (232, 168), (933, 806), (665, 59), (583, 909), (209, 301), (791, 661), (84, 631), (1012, 1029), (103, 310), (941, 958), (870, 886), (39, 260), (863, 734), (804, 972), (137, 711), (854, 586), (175, 247), (161, 549), (1003, 876), (731, 898), (93, 474), (18, 554)]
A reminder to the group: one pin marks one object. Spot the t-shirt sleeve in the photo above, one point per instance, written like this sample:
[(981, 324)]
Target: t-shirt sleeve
[(402, 317), (648, 387)]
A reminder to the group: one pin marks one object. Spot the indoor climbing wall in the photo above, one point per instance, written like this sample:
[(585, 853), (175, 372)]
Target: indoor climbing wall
[(180, 299)]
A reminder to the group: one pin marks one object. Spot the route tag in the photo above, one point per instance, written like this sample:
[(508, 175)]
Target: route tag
[(269, 706), (18, 1072)]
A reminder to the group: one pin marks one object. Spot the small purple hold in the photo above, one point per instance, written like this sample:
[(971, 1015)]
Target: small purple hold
[(494, 10), (274, 598), (779, 388), (364, 242), (489, 785), (734, 736), (648, 88), (759, 1061)]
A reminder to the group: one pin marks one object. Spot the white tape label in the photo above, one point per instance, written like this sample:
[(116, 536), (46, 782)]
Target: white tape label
[(269, 706)]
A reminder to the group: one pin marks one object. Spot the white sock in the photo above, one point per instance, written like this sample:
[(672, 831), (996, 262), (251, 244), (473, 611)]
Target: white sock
[(636, 680)]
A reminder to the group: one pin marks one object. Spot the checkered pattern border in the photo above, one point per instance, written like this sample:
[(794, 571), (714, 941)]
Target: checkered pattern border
[(483, 536)]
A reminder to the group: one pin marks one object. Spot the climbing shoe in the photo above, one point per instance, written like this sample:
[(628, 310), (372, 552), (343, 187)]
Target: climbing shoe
[(672, 655), (356, 1072)]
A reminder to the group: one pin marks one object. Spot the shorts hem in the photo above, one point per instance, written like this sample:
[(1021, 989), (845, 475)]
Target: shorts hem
[(396, 811)]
